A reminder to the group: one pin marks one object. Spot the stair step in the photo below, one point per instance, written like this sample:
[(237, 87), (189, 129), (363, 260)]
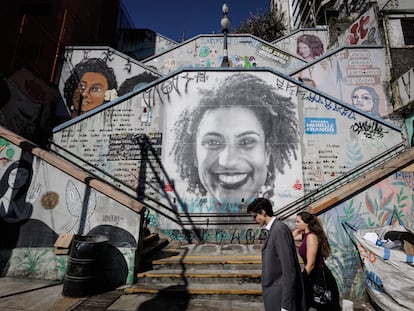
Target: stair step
[(253, 273), (229, 275), (209, 262), (200, 276), (197, 289)]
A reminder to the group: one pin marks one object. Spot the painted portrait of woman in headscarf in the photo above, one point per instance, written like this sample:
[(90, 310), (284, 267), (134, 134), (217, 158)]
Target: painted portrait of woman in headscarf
[(14, 185)]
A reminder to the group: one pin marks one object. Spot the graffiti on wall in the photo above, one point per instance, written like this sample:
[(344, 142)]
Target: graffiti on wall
[(370, 209), (38, 202), (175, 151), (206, 52), (306, 44), (358, 76), (91, 78), (363, 31)]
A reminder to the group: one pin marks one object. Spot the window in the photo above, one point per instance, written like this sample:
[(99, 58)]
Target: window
[(407, 26)]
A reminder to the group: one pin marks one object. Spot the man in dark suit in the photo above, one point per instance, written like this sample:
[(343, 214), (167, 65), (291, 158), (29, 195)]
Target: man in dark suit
[(281, 276)]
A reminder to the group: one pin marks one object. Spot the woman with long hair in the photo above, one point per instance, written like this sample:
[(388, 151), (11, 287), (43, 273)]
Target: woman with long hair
[(314, 249)]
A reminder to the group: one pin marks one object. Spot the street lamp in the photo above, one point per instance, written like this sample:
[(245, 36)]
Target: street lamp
[(225, 26)]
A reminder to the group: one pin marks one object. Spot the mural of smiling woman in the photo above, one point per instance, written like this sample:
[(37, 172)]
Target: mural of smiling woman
[(231, 145), (91, 84)]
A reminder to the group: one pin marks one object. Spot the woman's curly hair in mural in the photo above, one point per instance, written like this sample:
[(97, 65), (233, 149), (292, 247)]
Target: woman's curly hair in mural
[(276, 114), (88, 65)]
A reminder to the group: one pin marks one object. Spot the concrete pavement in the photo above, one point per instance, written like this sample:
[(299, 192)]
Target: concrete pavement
[(39, 295), (24, 294)]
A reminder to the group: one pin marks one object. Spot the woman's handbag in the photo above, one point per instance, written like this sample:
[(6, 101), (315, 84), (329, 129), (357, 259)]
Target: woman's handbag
[(320, 292)]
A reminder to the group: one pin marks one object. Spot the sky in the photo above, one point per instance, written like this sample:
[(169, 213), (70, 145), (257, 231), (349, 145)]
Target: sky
[(173, 18)]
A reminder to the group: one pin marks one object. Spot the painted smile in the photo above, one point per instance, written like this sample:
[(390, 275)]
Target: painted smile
[(86, 102), (232, 180)]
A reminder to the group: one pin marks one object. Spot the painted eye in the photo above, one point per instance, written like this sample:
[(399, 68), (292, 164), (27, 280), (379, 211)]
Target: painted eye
[(97, 89), (247, 143), (213, 144)]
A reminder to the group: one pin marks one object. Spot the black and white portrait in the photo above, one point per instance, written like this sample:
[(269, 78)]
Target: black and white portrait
[(234, 141)]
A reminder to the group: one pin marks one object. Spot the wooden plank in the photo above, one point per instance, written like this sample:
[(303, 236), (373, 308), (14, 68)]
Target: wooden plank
[(341, 194), (73, 171)]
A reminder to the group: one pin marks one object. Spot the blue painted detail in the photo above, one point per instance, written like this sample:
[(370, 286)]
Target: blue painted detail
[(387, 253), (326, 126)]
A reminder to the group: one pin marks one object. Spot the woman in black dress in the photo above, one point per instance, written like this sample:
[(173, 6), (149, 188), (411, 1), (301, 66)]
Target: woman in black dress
[(313, 250)]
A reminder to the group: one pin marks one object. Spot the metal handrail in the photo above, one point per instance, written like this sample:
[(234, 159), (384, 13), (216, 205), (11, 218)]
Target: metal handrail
[(244, 218), (336, 183)]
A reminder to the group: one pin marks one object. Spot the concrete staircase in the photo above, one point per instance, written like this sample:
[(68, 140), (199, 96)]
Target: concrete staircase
[(200, 277)]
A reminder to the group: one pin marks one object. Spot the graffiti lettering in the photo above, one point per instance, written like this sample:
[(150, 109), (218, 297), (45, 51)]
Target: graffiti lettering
[(235, 235), (201, 77), (407, 177), (151, 95), (219, 235), (329, 105), (274, 54), (358, 30), (170, 85), (187, 79), (115, 219), (369, 129), (108, 55), (290, 88)]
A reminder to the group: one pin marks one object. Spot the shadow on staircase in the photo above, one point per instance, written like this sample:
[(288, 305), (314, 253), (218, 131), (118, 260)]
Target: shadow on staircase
[(201, 276)]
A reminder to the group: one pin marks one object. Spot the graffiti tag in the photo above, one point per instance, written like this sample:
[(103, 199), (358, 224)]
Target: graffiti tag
[(369, 129)]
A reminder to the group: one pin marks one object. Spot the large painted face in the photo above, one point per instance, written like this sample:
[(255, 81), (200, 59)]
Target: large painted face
[(304, 51), (231, 154), (92, 88), (18, 177), (363, 100)]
